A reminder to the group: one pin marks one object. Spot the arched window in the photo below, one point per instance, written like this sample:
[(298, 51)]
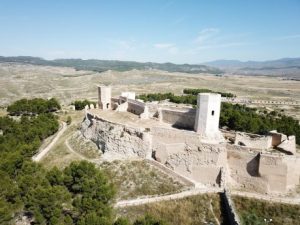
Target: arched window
[(213, 112)]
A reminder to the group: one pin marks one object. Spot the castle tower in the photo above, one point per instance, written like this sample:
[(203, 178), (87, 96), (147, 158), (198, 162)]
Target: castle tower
[(104, 97), (208, 116)]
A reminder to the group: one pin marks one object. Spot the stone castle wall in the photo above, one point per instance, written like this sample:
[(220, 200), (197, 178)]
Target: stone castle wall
[(185, 153), (114, 139), (253, 141), (135, 107), (262, 172), (180, 119)]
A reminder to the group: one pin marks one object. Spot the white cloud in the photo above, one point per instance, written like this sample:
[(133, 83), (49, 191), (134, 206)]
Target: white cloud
[(206, 34)]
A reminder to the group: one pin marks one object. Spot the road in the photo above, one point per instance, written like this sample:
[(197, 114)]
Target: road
[(44, 151)]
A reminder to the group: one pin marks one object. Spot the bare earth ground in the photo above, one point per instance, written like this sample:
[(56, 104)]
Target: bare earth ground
[(67, 84)]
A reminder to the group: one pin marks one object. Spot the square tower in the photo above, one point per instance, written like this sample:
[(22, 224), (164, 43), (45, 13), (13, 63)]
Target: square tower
[(104, 97), (208, 116)]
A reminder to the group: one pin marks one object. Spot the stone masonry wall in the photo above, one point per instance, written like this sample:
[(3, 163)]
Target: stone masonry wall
[(244, 170), (253, 141), (135, 107), (183, 152), (180, 119), (115, 139)]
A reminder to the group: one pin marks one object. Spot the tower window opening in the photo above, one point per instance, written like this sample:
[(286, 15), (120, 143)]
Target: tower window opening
[(213, 112), (107, 105)]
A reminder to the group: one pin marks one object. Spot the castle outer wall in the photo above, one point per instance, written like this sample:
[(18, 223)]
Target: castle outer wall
[(185, 153)]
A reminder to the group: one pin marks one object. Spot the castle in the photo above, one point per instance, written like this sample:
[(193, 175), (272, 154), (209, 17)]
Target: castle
[(189, 142)]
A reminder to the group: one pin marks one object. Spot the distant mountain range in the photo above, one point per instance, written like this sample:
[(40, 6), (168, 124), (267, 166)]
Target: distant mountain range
[(103, 65), (287, 67)]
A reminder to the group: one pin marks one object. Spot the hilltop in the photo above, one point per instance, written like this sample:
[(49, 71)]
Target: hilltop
[(287, 67), (104, 65)]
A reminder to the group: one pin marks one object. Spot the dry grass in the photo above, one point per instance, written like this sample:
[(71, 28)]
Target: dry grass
[(193, 210), (138, 178), (3, 112), (84, 146), (59, 155), (253, 211), (66, 84)]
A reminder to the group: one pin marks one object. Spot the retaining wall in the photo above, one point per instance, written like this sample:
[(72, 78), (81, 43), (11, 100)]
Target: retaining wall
[(180, 119)]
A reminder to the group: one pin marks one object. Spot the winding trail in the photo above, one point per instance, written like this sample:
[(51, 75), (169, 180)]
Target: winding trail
[(78, 154), (44, 151), (183, 194), (74, 152), (197, 191)]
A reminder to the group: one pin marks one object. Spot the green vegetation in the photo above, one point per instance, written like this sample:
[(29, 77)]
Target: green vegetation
[(22, 138), (193, 210), (253, 211), (242, 118), (146, 220), (197, 91), (33, 106), (239, 117), (190, 96), (185, 99), (69, 120), (79, 194), (79, 105)]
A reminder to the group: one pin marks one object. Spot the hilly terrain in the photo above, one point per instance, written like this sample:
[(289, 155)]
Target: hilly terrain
[(285, 67), (104, 65)]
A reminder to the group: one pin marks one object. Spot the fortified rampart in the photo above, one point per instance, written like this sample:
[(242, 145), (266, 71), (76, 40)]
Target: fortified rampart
[(262, 171), (185, 153), (196, 151), (115, 139), (179, 118)]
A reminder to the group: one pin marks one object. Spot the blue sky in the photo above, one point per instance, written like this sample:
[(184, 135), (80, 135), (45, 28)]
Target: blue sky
[(183, 31)]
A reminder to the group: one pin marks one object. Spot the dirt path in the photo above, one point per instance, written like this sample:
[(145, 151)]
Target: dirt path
[(286, 200), (73, 151), (212, 211), (196, 191), (183, 194), (44, 151), (78, 154)]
